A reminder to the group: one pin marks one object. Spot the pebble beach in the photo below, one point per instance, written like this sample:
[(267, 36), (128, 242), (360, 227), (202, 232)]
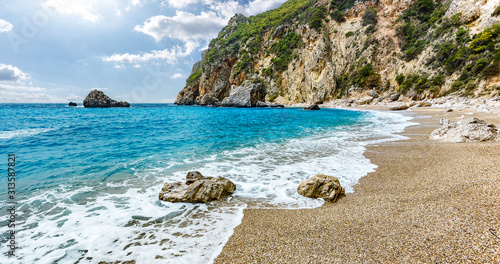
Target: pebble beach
[(427, 202)]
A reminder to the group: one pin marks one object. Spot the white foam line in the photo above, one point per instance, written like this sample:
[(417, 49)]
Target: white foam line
[(23, 132)]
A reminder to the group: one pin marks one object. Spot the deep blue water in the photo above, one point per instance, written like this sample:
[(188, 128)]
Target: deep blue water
[(88, 178)]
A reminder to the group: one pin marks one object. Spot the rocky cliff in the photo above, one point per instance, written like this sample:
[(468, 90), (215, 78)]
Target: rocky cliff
[(310, 51)]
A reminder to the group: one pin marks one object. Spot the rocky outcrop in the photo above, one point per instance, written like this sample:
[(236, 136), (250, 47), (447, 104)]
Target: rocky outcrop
[(197, 189), (312, 107), (299, 63), (97, 98), (72, 104), (469, 130), (321, 186), (246, 95)]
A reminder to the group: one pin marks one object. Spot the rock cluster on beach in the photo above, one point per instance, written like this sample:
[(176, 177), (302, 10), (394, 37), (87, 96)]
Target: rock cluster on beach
[(469, 130), (97, 98), (197, 189), (321, 186), (246, 95)]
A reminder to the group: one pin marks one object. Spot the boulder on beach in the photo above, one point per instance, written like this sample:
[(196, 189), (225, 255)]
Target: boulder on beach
[(395, 97), (365, 100), (312, 107), (321, 186), (197, 189), (398, 106), (97, 98), (72, 104), (469, 130)]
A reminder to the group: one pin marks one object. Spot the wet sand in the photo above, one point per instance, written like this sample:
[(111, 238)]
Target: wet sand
[(427, 202)]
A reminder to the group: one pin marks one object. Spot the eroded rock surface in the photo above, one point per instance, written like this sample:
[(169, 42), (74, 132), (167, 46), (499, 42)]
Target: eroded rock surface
[(469, 130), (197, 189), (321, 186), (97, 98)]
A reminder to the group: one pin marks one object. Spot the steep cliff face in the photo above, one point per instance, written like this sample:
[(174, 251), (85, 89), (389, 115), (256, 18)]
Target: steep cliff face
[(310, 51)]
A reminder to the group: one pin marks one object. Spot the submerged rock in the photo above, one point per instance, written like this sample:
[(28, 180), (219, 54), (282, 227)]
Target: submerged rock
[(97, 98), (470, 130), (312, 107), (197, 189), (72, 104), (321, 186)]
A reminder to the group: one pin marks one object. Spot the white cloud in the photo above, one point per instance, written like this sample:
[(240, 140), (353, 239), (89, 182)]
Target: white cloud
[(230, 8), (170, 56), (99, 88), (136, 3), (84, 9), (181, 3), (183, 26), (26, 94), (177, 76), (74, 97), (194, 30), (10, 73), (5, 26)]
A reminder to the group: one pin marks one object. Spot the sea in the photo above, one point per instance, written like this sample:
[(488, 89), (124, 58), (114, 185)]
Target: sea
[(87, 179)]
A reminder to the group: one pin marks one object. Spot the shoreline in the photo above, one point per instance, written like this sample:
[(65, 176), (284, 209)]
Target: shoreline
[(427, 201)]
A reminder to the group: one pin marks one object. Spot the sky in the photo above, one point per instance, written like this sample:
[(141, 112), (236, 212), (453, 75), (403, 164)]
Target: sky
[(140, 51)]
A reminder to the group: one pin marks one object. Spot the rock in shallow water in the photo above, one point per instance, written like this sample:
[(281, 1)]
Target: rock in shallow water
[(197, 189), (72, 104), (97, 98), (321, 186), (312, 107), (470, 130)]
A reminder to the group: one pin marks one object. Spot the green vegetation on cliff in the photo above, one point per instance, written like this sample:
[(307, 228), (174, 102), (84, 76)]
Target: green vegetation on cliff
[(340, 58)]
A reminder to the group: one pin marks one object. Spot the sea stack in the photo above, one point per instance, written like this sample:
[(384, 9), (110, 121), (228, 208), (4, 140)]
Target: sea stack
[(72, 104), (97, 98)]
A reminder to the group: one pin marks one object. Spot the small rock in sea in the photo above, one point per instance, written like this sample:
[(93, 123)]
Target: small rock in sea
[(470, 130), (197, 189), (97, 98), (397, 107), (312, 107), (72, 104), (321, 186), (262, 104)]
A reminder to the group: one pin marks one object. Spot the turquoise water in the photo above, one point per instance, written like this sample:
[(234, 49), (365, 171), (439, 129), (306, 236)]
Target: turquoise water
[(88, 179)]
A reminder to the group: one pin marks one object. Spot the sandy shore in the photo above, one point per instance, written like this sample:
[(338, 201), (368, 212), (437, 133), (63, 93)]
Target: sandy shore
[(427, 202)]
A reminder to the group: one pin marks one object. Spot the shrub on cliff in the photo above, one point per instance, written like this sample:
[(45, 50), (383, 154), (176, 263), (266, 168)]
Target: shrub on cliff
[(370, 17)]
